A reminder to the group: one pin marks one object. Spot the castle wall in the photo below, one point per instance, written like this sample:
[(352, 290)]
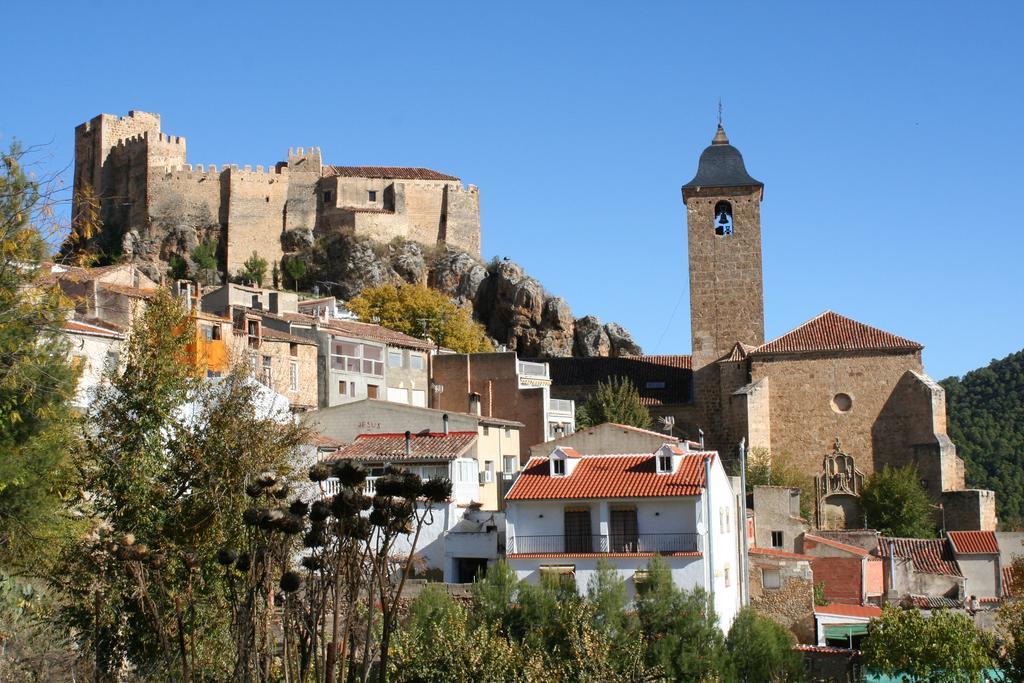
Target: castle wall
[(305, 168), (187, 201), (256, 215), (804, 422), (462, 218)]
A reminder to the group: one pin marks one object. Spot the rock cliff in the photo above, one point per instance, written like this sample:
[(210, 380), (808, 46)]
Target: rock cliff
[(516, 310)]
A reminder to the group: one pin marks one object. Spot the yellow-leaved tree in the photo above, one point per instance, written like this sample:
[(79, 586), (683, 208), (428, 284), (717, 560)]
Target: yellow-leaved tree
[(421, 312)]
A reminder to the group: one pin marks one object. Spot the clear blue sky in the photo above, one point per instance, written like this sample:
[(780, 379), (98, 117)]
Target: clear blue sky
[(889, 135)]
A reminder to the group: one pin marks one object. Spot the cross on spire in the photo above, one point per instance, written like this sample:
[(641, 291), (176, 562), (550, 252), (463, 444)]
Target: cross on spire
[(719, 112)]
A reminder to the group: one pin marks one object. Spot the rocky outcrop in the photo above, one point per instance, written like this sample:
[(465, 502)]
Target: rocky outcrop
[(514, 308)]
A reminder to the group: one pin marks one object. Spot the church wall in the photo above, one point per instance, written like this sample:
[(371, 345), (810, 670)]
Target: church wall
[(804, 423)]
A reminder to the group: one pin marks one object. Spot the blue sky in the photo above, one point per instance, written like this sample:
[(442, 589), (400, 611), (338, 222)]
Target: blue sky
[(888, 135)]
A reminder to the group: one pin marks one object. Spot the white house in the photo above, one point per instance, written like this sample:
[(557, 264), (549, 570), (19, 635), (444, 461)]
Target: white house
[(459, 538), (569, 509), (94, 348)]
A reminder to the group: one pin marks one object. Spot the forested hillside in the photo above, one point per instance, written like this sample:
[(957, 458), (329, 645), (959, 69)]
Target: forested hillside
[(986, 422)]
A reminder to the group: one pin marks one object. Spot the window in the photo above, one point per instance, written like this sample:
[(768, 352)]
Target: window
[(394, 359), (771, 579), (371, 195), (293, 349), (654, 385), (558, 467), (328, 196), (213, 373), (664, 464), (488, 471), (624, 536), (210, 332), (364, 359), (293, 375), (511, 463), (419, 398), (577, 531), (777, 539), (398, 395), (487, 430), (723, 219), (343, 388), (415, 361), (842, 403), (559, 574), (465, 471), (372, 391), (267, 360)]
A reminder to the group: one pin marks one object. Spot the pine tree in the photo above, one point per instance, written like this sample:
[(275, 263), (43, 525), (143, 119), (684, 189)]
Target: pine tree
[(616, 400)]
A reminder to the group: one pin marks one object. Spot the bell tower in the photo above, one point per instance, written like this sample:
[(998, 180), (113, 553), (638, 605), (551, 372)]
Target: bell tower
[(723, 221)]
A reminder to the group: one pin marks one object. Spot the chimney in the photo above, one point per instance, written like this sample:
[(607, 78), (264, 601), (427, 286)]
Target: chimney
[(408, 443), (444, 421), (474, 403), (273, 302)]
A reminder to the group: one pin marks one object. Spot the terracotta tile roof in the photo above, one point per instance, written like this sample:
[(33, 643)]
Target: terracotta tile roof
[(773, 552), (974, 542), (558, 556), (836, 544), (1008, 582), (300, 318), (660, 380), (374, 332), (609, 476), (833, 332), (739, 352), (932, 602), (79, 327), (386, 172), (136, 292), (270, 334), (649, 432), (323, 441), (423, 446), (826, 650), (928, 555), (858, 611)]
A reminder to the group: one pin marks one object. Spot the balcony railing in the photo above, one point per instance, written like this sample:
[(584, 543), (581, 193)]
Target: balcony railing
[(533, 369), (612, 543), (561, 405)]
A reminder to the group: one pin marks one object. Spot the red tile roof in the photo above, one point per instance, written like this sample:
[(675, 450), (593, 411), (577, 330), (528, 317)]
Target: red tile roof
[(773, 552), (833, 332), (386, 172), (79, 327), (670, 377), (270, 334), (840, 610), (928, 555), (609, 476), (323, 441), (933, 602), (136, 292), (826, 650), (974, 542), (836, 544), (423, 446), (374, 332), (1008, 582)]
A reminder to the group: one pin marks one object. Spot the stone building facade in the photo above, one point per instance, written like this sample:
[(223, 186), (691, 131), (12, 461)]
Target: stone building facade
[(153, 204)]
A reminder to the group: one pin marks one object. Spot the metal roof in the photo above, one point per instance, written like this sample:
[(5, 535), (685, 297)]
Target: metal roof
[(721, 165)]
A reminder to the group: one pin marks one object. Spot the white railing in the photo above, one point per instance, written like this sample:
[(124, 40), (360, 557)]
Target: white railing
[(561, 405), (370, 487), (533, 369)]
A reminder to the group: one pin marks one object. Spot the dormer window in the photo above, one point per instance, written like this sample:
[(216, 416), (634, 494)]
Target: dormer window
[(664, 463), (558, 468)]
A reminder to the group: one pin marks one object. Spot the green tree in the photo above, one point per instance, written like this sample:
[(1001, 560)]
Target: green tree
[(986, 422), (296, 269), (275, 275), (37, 380), (177, 267), (254, 270), (761, 650), (421, 312), (944, 648), (616, 400), (680, 628), (166, 464), (204, 256), (895, 503)]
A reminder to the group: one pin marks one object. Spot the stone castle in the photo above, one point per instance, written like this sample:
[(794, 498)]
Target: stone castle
[(152, 204)]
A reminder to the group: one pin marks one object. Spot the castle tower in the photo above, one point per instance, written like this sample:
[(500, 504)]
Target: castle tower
[(723, 218)]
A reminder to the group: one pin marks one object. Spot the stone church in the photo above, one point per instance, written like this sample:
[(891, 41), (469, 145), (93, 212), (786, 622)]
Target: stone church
[(836, 397)]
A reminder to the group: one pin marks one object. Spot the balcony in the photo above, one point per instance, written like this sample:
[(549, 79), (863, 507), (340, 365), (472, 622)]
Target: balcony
[(533, 374), (613, 543)]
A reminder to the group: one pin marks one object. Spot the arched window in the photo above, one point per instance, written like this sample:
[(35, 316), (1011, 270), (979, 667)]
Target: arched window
[(723, 218)]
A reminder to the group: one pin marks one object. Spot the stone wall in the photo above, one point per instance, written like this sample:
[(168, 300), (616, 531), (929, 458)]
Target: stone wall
[(970, 509), (777, 508), (792, 604), (256, 208), (804, 421), (726, 295)]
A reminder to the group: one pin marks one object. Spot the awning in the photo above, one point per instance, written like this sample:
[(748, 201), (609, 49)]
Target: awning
[(844, 631)]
